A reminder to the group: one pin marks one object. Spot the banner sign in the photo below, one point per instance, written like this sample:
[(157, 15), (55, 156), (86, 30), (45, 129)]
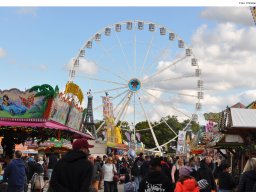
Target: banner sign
[(181, 150)]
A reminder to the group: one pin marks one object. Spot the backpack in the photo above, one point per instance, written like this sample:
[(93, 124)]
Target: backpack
[(37, 182), (129, 187)]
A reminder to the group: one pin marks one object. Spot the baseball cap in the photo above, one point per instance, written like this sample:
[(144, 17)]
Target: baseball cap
[(81, 143)]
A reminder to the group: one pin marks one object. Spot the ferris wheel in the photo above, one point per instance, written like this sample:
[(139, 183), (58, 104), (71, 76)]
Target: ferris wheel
[(147, 69)]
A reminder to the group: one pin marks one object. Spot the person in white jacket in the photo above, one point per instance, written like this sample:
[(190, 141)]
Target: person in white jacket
[(108, 170)]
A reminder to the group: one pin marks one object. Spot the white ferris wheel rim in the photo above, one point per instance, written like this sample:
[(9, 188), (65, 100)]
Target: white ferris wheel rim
[(137, 92)]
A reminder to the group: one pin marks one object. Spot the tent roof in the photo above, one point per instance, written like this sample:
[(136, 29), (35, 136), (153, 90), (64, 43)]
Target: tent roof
[(244, 118), (41, 123)]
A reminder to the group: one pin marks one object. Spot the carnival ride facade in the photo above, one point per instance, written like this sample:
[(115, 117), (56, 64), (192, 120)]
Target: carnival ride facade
[(149, 72), (38, 114)]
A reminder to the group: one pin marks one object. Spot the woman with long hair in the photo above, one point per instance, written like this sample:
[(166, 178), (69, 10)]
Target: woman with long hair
[(247, 182)]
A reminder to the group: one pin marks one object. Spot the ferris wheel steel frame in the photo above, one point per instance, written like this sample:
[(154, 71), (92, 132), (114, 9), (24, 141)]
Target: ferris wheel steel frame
[(137, 72)]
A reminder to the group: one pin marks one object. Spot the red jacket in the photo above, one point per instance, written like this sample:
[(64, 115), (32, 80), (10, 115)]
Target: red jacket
[(188, 185)]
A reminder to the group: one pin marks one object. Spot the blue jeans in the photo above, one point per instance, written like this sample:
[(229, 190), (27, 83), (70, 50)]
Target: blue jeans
[(137, 181)]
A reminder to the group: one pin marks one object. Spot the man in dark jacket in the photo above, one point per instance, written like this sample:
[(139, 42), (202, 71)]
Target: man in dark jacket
[(155, 180), (15, 174), (52, 162), (204, 172), (73, 173)]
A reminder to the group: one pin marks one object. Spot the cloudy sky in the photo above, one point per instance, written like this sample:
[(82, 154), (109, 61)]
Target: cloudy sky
[(37, 46)]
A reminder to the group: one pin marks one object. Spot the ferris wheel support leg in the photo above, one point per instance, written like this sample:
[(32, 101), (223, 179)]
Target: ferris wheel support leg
[(149, 124)]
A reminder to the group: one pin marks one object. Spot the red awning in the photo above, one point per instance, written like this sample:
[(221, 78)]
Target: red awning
[(48, 124)]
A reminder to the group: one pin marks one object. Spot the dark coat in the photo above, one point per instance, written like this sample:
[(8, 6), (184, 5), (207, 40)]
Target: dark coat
[(247, 181), (226, 182), (155, 181), (204, 172), (15, 175), (73, 173), (52, 161)]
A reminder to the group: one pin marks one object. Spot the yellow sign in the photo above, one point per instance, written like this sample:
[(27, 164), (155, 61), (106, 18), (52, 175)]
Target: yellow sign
[(75, 90)]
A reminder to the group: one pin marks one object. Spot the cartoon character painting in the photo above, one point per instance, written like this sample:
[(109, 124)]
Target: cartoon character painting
[(28, 102), (13, 108)]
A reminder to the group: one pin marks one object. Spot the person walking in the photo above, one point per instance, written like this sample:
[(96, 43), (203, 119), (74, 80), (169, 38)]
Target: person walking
[(205, 172), (175, 170), (96, 176), (15, 174), (73, 173), (247, 182), (155, 180), (108, 170), (225, 180), (37, 180), (52, 162), (186, 182), (136, 170)]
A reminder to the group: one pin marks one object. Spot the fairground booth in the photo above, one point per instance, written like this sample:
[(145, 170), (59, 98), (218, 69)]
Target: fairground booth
[(39, 114)]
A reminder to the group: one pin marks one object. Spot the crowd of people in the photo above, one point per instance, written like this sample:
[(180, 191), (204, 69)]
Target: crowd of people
[(79, 171)]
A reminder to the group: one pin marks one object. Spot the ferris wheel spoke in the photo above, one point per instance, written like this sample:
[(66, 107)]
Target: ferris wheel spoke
[(101, 80), (101, 125), (163, 119), (170, 79), (158, 58), (111, 99), (152, 127), (149, 123), (107, 90), (174, 138), (108, 55), (121, 111), (162, 103), (164, 69), (123, 52), (170, 92), (148, 51), (125, 112), (135, 51), (108, 71)]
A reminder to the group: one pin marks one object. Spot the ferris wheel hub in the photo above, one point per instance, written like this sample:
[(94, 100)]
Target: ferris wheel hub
[(134, 84)]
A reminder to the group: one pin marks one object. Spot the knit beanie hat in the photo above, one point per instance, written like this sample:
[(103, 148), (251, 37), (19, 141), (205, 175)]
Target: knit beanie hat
[(185, 171), (202, 184)]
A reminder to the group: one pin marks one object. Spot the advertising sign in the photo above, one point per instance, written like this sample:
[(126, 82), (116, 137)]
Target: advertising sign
[(181, 150)]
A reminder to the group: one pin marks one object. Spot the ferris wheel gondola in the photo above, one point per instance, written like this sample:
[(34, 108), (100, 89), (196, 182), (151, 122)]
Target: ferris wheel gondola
[(149, 71)]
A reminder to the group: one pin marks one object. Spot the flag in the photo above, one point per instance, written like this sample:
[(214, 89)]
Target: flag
[(253, 10), (138, 136), (128, 136)]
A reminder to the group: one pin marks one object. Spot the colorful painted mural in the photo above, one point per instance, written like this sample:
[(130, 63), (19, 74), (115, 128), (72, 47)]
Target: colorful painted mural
[(75, 118), (18, 104), (60, 109)]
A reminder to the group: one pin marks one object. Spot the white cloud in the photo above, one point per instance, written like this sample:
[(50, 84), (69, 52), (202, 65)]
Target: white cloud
[(227, 58), (239, 15), (43, 67), (247, 97), (85, 67), (27, 11), (2, 52)]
